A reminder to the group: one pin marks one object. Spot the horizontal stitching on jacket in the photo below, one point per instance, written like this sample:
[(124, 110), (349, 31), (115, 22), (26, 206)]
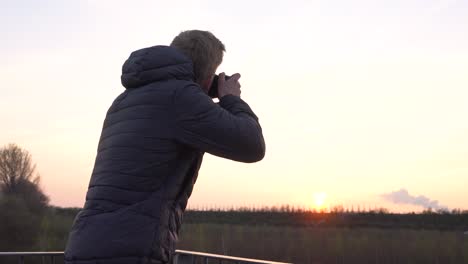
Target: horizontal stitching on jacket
[(142, 91), (108, 200), (154, 150), (120, 188), (120, 133), (144, 214), (119, 172), (90, 214), (158, 67), (132, 160), (129, 106), (127, 159), (131, 209), (152, 164), (148, 164), (124, 120), (116, 134), (99, 212), (115, 159)]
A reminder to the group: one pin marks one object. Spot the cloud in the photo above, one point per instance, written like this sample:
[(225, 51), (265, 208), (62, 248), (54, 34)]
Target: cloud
[(402, 196)]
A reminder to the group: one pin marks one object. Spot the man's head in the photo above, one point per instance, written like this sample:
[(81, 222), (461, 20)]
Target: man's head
[(205, 51)]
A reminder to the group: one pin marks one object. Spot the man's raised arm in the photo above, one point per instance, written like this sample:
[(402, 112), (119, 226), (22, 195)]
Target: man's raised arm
[(229, 130)]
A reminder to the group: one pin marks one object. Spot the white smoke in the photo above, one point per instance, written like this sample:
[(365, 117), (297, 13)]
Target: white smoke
[(403, 197)]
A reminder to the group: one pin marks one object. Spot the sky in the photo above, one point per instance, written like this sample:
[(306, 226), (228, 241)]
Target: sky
[(363, 102)]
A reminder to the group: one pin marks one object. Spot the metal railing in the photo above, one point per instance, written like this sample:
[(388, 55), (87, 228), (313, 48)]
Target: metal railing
[(181, 257)]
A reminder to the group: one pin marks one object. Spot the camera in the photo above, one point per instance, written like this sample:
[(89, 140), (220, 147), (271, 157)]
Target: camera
[(213, 92)]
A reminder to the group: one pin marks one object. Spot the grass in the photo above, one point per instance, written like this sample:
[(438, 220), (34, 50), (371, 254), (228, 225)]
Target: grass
[(327, 245)]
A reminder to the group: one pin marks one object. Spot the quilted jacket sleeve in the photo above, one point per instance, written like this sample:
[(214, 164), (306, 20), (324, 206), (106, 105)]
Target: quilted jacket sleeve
[(229, 130)]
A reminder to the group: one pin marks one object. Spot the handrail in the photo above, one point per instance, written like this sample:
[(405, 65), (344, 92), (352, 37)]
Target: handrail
[(225, 257)]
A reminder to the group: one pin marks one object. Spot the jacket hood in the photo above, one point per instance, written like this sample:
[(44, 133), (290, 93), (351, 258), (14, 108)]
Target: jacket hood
[(157, 63)]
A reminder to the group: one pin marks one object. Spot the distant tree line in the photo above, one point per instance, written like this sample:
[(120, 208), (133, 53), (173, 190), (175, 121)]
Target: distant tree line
[(456, 220), (428, 219)]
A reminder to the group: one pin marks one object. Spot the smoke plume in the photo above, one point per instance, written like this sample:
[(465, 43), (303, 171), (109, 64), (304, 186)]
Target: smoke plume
[(403, 197)]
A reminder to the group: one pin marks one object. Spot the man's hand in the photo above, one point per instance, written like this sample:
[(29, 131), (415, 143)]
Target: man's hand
[(230, 86)]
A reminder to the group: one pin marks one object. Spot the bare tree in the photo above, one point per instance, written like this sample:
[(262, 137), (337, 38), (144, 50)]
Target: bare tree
[(18, 177), (15, 168)]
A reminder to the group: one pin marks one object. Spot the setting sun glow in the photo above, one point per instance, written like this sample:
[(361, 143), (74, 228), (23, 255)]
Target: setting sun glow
[(320, 199)]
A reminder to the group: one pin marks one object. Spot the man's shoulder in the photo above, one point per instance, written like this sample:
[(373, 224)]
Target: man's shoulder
[(157, 93)]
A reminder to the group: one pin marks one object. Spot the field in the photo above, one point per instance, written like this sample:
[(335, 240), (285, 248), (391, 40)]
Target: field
[(327, 245), (300, 237)]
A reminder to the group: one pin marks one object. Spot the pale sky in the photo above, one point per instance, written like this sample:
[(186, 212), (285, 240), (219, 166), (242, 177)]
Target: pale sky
[(356, 98)]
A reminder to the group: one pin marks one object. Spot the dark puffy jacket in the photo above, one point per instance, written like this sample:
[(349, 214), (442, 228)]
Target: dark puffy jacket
[(151, 148)]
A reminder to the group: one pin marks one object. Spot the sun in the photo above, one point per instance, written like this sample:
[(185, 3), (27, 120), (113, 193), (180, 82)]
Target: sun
[(320, 199)]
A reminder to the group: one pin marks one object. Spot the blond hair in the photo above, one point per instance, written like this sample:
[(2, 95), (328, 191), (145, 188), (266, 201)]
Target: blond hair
[(203, 48)]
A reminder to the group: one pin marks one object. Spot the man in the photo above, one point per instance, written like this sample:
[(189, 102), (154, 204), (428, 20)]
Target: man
[(151, 148)]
